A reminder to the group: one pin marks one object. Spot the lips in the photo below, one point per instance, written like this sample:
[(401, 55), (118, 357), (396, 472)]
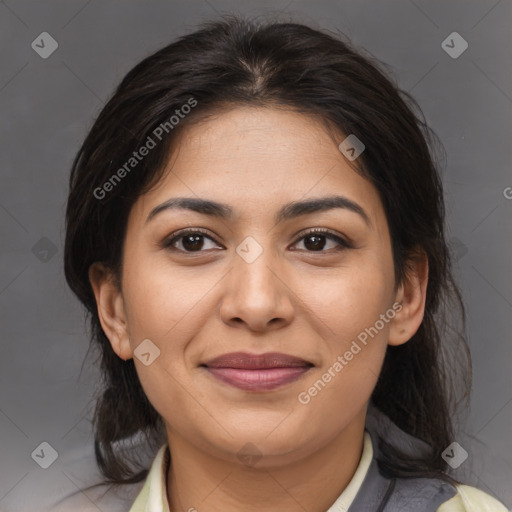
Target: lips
[(257, 372), (245, 361)]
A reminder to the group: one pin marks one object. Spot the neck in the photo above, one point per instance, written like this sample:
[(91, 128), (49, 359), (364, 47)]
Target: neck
[(198, 481)]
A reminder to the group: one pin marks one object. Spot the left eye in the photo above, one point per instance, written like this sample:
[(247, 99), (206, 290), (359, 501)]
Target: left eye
[(194, 241), (316, 241)]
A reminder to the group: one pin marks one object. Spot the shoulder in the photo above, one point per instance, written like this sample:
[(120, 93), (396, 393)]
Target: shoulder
[(79, 486), (103, 497), (471, 499)]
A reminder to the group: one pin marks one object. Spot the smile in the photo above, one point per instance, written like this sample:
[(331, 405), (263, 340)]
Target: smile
[(258, 372)]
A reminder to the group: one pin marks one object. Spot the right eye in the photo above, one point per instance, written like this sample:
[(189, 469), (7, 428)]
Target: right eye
[(187, 240)]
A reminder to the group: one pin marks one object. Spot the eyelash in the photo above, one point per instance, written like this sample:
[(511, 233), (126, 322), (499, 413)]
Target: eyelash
[(167, 243)]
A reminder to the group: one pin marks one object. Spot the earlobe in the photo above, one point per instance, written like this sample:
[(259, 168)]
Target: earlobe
[(412, 296), (111, 312)]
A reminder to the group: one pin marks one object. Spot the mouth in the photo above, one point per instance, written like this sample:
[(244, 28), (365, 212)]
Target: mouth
[(257, 372)]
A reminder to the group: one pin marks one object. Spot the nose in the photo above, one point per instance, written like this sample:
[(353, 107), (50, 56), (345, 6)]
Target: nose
[(257, 294)]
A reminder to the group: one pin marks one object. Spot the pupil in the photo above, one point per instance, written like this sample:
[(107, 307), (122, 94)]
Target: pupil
[(315, 245), (193, 242)]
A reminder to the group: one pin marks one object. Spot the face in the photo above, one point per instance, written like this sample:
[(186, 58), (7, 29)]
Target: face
[(314, 286)]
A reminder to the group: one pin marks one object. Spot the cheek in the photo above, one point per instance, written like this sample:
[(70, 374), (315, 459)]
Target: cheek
[(348, 302), (168, 307), (356, 317), (161, 300), (353, 337)]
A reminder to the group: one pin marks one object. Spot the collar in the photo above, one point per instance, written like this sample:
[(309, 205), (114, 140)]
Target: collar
[(153, 496)]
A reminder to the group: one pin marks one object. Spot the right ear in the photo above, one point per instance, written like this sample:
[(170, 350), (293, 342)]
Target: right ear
[(111, 310)]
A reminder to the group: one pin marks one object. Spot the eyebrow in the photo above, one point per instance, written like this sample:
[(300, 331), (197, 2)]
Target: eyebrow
[(287, 212)]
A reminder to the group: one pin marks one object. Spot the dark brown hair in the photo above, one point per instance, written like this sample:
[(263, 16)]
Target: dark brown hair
[(236, 61)]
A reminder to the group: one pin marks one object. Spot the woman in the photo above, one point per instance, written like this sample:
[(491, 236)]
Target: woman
[(255, 225)]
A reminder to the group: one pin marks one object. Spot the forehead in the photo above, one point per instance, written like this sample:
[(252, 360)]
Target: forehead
[(256, 159)]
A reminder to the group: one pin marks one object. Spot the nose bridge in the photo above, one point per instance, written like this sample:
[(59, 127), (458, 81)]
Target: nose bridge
[(254, 266), (256, 294)]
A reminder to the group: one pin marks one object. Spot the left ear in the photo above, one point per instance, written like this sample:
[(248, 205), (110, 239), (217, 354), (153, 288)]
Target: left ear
[(412, 295)]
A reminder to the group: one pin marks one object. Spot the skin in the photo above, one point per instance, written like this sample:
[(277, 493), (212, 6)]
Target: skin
[(292, 299)]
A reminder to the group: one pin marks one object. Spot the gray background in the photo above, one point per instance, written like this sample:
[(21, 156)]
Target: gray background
[(48, 106)]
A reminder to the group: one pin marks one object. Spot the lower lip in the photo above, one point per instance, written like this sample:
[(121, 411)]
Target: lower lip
[(258, 380)]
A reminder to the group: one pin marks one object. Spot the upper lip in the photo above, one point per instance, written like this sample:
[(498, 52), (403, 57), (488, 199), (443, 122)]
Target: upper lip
[(246, 361)]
